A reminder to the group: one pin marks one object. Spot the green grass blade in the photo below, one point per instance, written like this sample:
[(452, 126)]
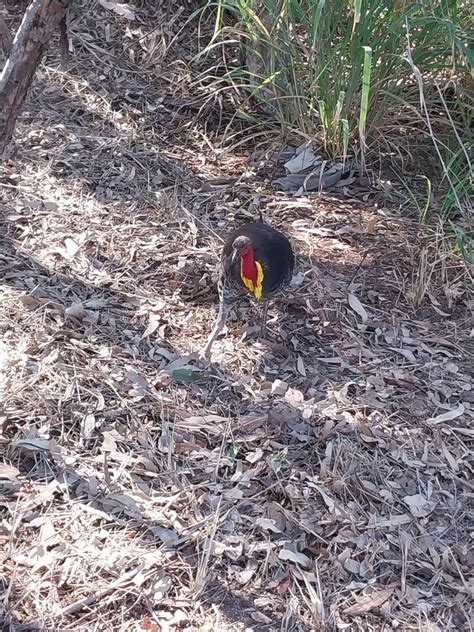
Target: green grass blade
[(364, 102)]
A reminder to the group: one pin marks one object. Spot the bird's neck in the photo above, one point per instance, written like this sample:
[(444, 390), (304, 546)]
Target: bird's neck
[(251, 272), (248, 268)]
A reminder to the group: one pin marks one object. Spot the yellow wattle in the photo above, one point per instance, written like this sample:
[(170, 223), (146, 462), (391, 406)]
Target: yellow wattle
[(256, 288)]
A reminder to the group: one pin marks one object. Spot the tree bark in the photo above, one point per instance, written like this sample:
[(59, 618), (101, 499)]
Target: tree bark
[(39, 22)]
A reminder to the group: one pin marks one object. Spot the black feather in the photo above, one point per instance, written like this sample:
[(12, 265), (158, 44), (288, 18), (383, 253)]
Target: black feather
[(271, 248), (274, 252)]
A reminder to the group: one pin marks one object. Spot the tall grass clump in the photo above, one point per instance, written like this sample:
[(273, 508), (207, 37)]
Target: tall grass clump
[(362, 75)]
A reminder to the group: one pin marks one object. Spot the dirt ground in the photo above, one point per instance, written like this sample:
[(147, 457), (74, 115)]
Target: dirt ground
[(317, 480)]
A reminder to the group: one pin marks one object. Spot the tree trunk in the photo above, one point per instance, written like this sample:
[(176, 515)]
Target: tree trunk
[(5, 39), (38, 24)]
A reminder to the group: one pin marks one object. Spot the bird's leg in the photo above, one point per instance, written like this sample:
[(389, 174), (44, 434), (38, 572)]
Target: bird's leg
[(263, 330), (224, 308)]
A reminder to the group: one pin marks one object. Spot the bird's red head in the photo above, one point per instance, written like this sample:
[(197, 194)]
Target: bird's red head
[(243, 245)]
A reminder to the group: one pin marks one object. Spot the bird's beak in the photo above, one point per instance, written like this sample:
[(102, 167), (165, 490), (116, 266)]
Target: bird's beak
[(235, 256)]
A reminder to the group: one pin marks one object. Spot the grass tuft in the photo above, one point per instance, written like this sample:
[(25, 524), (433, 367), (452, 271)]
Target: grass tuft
[(367, 78)]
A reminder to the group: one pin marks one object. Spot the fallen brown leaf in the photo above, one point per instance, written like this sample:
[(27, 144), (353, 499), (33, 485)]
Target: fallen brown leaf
[(367, 603)]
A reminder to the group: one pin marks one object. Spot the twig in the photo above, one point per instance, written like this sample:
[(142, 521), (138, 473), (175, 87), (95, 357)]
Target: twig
[(356, 272), (87, 601)]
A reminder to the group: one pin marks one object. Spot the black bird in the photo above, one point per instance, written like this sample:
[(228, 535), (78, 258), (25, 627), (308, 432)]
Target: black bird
[(258, 259)]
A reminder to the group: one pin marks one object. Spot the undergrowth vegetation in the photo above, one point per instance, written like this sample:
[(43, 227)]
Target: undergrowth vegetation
[(367, 79)]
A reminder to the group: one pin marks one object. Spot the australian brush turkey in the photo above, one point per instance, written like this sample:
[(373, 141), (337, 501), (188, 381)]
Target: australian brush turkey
[(258, 259)]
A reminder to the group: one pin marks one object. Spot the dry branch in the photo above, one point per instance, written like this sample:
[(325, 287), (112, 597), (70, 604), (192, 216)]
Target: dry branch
[(39, 22)]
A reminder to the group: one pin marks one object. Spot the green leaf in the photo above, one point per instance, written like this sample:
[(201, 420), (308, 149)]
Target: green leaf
[(345, 137), (186, 375), (357, 14), (234, 450), (364, 102)]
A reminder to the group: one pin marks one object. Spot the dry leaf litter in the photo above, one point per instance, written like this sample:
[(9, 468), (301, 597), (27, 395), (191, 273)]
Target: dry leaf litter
[(319, 480)]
